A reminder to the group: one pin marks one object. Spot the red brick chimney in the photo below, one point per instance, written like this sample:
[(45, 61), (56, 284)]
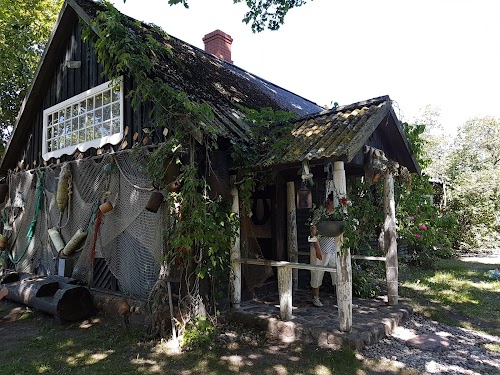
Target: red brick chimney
[(218, 43)]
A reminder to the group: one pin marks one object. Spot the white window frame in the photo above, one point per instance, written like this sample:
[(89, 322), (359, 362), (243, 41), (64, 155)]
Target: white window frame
[(67, 105)]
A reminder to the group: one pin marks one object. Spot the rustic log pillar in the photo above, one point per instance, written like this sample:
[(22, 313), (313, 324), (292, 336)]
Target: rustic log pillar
[(292, 231), (390, 243), (285, 292), (343, 260), (235, 255)]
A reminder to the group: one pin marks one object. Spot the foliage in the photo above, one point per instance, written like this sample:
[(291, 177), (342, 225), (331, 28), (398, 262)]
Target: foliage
[(429, 233), (269, 131), (25, 27), (199, 332), (474, 175), (262, 13), (365, 279), (205, 228), (201, 230), (137, 50)]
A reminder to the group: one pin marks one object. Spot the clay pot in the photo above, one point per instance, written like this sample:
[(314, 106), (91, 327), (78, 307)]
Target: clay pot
[(155, 201), (105, 207), (330, 228)]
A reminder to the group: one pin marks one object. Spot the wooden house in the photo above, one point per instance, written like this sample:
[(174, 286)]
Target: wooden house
[(76, 128)]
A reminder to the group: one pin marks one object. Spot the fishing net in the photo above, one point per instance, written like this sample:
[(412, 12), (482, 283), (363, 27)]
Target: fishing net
[(129, 237), (253, 275)]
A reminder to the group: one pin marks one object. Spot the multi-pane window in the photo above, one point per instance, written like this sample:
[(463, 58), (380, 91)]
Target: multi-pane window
[(90, 119)]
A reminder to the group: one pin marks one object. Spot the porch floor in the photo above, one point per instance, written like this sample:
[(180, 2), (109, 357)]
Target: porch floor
[(373, 319)]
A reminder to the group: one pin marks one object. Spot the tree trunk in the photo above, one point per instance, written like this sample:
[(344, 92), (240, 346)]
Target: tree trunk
[(236, 255), (390, 243), (343, 260), (292, 231)]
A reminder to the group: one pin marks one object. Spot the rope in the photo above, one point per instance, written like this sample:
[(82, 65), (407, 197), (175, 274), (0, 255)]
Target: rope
[(31, 230)]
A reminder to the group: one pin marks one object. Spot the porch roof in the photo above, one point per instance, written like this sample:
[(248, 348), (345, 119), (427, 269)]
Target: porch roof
[(341, 132)]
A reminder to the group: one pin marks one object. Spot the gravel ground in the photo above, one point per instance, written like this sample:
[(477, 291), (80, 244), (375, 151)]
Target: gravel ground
[(434, 348)]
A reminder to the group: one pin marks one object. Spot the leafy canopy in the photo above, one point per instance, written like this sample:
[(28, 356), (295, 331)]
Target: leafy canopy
[(262, 14), (25, 27)]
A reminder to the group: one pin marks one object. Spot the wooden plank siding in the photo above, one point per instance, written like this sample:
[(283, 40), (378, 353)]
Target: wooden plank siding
[(66, 83)]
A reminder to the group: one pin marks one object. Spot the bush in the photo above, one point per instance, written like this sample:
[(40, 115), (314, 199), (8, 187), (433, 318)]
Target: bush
[(198, 332)]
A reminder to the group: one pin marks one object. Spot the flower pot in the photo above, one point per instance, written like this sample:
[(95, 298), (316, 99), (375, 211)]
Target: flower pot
[(330, 228), (105, 207), (155, 201)]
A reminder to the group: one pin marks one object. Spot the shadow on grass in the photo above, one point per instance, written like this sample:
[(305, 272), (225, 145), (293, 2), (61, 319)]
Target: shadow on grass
[(457, 293), (101, 346)]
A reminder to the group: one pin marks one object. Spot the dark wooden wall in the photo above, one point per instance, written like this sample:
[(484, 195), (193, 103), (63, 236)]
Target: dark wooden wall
[(65, 83)]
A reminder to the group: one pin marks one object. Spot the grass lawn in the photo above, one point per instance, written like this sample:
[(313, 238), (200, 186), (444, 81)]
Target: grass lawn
[(458, 293), (31, 343)]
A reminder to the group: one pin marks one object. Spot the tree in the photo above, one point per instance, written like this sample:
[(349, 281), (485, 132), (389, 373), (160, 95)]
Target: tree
[(436, 146), (25, 26), (262, 13), (475, 176)]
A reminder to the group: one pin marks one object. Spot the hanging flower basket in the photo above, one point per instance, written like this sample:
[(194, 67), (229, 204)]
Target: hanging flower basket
[(330, 228)]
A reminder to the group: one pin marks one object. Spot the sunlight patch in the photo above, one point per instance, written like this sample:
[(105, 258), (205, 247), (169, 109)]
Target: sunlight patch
[(322, 370)]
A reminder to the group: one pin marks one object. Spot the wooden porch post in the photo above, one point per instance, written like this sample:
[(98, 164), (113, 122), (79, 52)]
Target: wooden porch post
[(235, 255), (292, 231), (343, 260), (390, 244)]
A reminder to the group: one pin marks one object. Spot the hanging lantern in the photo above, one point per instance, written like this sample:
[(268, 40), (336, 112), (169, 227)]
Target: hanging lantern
[(304, 197)]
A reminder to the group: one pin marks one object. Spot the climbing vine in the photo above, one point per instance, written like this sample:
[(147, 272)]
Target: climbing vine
[(200, 231)]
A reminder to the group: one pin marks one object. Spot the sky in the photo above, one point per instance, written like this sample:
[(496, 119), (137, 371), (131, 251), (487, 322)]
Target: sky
[(442, 53)]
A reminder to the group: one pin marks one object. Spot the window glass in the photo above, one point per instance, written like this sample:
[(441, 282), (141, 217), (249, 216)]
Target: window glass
[(90, 119)]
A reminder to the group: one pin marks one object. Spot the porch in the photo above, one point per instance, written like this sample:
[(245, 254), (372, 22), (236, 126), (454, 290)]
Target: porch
[(372, 319)]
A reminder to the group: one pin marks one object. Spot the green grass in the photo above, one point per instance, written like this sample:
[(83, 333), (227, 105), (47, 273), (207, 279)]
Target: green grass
[(456, 293), (101, 346)]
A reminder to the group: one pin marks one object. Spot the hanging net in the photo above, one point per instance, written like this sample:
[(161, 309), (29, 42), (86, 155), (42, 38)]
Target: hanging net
[(129, 238), (253, 275)]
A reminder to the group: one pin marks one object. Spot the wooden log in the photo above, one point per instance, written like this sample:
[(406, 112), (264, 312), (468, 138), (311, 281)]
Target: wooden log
[(390, 243), (343, 260), (292, 231), (367, 257), (235, 255), (285, 292)]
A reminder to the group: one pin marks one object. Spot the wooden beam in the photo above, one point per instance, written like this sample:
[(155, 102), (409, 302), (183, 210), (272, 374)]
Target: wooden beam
[(390, 243), (235, 255), (343, 260), (367, 257), (292, 230), (285, 292)]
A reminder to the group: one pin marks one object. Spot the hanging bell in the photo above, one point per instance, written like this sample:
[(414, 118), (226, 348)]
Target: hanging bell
[(304, 197)]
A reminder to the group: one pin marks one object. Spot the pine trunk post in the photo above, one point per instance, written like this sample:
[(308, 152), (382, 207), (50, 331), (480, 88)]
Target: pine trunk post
[(285, 292), (235, 255), (343, 260), (292, 231), (390, 243)]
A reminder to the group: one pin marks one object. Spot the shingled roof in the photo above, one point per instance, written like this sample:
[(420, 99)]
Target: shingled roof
[(341, 132), (207, 78), (338, 133)]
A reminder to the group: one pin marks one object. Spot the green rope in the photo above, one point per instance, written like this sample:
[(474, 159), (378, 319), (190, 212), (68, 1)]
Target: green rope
[(31, 230)]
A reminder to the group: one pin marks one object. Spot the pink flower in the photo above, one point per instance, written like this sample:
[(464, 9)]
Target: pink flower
[(418, 235), (423, 227), (412, 218)]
